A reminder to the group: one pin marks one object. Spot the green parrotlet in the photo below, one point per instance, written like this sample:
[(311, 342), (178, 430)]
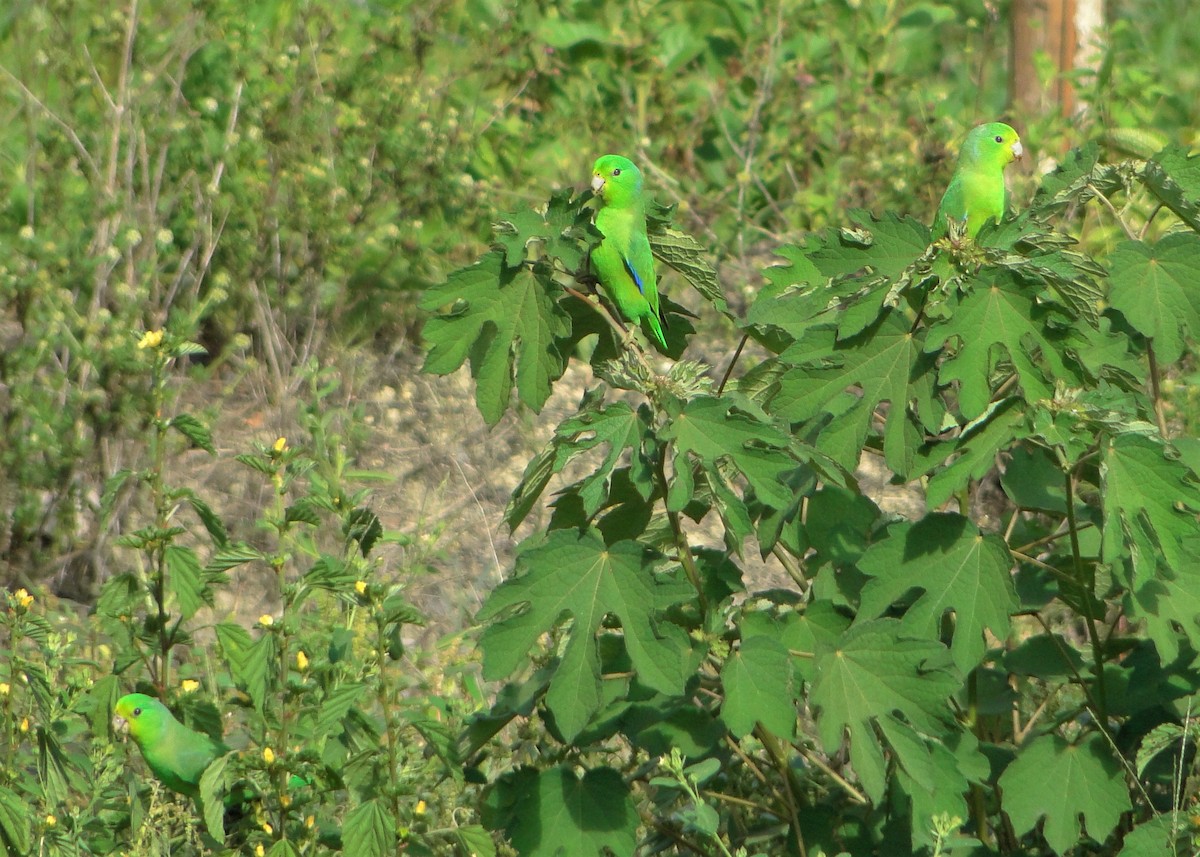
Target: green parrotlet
[(976, 192), (623, 259), (176, 754)]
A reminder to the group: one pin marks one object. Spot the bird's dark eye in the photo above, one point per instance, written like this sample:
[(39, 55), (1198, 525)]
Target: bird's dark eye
[(137, 712), (617, 172), (999, 139)]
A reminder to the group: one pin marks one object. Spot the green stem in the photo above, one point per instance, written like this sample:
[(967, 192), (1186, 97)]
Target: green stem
[(1086, 587)]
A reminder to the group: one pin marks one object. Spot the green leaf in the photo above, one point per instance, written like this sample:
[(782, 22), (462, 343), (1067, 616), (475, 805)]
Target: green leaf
[(1164, 736), (554, 813), (956, 568), (999, 311), (1148, 500), (886, 362), (1173, 175), (1077, 178), (14, 821), (1154, 287), (231, 557), (843, 277), (1162, 835), (689, 257), (369, 830), (620, 428), (185, 580), (195, 431), (473, 839), (873, 670), (708, 431), (1086, 779), (334, 708), (303, 511), (211, 520), (928, 772), (975, 450), (363, 526), (250, 661), (212, 792), (506, 322), (757, 678), (562, 231), (577, 575)]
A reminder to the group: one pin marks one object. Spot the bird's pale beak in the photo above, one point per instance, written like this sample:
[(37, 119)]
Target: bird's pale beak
[(597, 183), (120, 725), (1018, 150)]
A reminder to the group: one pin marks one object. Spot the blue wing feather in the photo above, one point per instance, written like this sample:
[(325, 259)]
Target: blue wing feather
[(633, 274)]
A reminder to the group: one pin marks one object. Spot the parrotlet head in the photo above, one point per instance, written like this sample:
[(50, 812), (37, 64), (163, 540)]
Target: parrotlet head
[(143, 717), (615, 179), (990, 143)]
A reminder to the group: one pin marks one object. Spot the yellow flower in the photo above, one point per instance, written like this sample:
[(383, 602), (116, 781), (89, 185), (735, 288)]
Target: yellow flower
[(280, 444), (267, 828), (285, 801), (266, 620), (23, 598), (51, 821), (189, 685), (309, 822), (301, 660), (24, 724), (258, 850), (151, 339), (268, 755), (360, 586), (4, 688), (420, 808)]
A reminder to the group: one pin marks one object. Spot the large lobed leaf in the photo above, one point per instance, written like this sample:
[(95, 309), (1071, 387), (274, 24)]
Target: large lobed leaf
[(874, 670), (1088, 787), (1154, 287), (955, 568), (505, 320), (886, 361), (576, 575)]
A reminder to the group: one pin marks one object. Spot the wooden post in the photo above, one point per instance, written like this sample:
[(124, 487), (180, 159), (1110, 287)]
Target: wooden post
[(1065, 32)]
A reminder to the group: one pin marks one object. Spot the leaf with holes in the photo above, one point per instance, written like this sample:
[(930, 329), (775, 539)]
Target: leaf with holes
[(505, 321), (576, 575)]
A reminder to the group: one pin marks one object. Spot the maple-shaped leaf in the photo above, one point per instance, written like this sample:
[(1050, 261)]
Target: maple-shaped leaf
[(1173, 175), (1154, 287), (616, 425), (556, 813), (707, 431), (1088, 782), (505, 320), (1148, 496), (564, 230), (872, 671), (998, 312), (577, 575), (887, 362), (757, 679), (955, 568)]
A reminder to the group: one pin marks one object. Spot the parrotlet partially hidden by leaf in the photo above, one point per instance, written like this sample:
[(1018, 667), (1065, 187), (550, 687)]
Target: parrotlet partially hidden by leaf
[(623, 259), (176, 754), (976, 192)]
